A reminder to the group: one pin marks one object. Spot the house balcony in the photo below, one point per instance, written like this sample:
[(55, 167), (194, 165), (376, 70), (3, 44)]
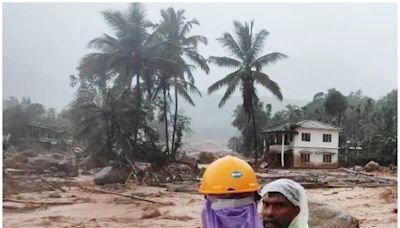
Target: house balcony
[(278, 148)]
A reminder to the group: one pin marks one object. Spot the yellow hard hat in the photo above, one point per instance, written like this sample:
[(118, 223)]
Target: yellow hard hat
[(229, 175)]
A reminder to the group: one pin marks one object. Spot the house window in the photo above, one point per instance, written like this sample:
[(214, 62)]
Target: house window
[(326, 138), (305, 158), (327, 158), (305, 137)]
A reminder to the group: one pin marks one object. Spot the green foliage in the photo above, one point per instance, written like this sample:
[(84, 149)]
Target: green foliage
[(367, 124), (111, 113), (245, 49), (17, 116), (335, 105)]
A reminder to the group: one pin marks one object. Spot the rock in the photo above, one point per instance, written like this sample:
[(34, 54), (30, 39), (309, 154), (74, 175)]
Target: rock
[(68, 168), (41, 164), (111, 175), (371, 166), (151, 213), (323, 215), (23, 166), (54, 195), (57, 156), (12, 161), (30, 153), (205, 158), (358, 168)]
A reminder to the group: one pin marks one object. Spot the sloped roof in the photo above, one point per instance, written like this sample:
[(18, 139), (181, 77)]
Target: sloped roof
[(287, 127), (309, 124), (316, 125)]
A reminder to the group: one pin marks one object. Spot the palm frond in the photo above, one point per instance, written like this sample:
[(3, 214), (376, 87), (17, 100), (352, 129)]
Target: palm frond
[(194, 40), (117, 22), (198, 59), (95, 63), (243, 36), (229, 91), (183, 93), (228, 41), (223, 82), (268, 59), (258, 42), (224, 61), (266, 82), (105, 43)]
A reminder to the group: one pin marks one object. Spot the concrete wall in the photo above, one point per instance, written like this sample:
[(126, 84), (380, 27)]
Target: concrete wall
[(316, 158), (316, 138), (316, 148)]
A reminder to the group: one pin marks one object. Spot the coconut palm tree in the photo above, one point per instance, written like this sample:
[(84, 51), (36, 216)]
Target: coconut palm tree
[(173, 30), (245, 50), (133, 52)]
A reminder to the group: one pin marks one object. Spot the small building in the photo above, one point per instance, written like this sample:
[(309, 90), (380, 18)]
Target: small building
[(306, 144)]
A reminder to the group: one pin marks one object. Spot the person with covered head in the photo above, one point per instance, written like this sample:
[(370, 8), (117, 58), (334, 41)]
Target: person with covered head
[(284, 205), (230, 187)]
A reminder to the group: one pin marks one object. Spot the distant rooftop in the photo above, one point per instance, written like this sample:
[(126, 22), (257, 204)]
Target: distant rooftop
[(316, 125), (309, 124)]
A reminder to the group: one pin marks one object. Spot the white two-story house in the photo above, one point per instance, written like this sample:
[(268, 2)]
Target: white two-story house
[(306, 144)]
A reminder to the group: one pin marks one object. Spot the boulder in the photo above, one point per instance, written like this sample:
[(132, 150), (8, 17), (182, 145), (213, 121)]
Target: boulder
[(68, 168), (205, 158), (111, 175), (41, 164), (15, 159), (371, 166), (358, 168), (323, 215)]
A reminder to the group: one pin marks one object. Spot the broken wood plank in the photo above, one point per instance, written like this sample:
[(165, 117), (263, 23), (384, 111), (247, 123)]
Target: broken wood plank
[(118, 194), (52, 185), (36, 202)]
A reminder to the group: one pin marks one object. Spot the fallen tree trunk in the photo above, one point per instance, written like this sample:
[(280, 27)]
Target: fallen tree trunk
[(118, 194), (355, 172), (52, 185), (37, 202)]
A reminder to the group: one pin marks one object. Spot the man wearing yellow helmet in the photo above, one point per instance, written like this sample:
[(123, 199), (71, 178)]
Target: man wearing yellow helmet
[(230, 187)]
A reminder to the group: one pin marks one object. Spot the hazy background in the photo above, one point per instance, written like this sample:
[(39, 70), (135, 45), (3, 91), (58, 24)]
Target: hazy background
[(339, 45)]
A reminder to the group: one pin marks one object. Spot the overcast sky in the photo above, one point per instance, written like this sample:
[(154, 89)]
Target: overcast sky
[(330, 45)]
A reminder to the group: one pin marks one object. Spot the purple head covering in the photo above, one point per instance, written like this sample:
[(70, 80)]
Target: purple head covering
[(245, 216)]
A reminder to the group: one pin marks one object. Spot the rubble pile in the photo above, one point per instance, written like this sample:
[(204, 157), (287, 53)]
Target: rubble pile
[(341, 177)]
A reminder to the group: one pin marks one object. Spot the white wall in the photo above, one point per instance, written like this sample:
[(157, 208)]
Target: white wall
[(316, 139)]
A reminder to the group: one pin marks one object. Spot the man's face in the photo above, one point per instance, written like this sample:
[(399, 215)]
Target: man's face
[(277, 211)]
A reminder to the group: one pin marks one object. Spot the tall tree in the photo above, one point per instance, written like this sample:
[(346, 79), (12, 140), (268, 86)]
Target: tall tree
[(178, 46), (245, 50), (335, 105)]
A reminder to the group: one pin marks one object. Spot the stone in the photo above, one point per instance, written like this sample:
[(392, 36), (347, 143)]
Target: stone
[(16, 159), (323, 215), (358, 168), (41, 164), (111, 175), (205, 157), (371, 166)]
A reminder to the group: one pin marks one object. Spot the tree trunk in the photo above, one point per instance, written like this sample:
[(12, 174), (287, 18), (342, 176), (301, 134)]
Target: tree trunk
[(255, 135), (166, 120), (173, 149), (139, 101)]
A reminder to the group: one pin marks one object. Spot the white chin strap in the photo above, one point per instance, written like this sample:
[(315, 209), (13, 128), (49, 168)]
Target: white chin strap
[(219, 204)]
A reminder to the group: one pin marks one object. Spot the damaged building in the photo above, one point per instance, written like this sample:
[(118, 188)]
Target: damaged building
[(306, 144)]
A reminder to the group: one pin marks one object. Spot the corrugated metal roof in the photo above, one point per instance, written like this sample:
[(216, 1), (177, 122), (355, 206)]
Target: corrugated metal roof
[(316, 125)]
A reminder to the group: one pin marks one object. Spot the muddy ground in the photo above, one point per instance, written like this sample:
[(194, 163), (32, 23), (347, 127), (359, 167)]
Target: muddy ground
[(374, 207)]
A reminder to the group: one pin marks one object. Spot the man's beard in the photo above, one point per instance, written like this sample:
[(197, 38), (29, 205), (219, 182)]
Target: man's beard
[(271, 221)]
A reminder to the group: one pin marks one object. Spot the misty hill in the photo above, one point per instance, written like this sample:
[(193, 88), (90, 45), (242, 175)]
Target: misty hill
[(209, 122)]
